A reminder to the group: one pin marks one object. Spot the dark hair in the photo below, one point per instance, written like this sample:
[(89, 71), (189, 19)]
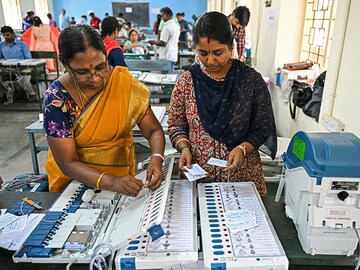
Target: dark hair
[(49, 15), (84, 16), (78, 38), (6, 29), (130, 32), (91, 14), (167, 11), (109, 25), (30, 13), (213, 25), (242, 13), (37, 21)]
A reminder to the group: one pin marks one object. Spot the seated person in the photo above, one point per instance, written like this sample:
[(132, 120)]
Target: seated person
[(133, 46), (12, 48)]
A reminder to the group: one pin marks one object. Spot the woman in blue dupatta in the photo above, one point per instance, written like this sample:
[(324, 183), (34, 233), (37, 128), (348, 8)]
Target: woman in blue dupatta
[(221, 108)]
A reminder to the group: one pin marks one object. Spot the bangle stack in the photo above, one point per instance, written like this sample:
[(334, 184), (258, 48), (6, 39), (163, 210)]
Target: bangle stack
[(242, 147), (182, 140), (98, 181), (157, 155)]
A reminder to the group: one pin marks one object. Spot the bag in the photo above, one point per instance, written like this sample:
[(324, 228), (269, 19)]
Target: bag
[(300, 95), (298, 65), (312, 108)]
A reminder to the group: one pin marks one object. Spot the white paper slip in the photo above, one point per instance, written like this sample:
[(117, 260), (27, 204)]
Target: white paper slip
[(242, 225), (195, 169), (192, 178), (17, 225), (238, 216), (217, 162), (7, 219)]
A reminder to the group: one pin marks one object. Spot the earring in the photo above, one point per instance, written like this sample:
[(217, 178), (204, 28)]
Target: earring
[(232, 54)]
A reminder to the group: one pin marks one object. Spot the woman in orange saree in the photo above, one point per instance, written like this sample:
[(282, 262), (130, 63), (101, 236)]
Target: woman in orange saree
[(89, 113)]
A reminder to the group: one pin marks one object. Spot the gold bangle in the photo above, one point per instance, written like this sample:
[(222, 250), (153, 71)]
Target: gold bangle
[(242, 147), (98, 181), (181, 140), (157, 155)]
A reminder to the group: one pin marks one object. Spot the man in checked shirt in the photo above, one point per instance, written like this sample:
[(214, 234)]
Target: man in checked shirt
[(239, 19)]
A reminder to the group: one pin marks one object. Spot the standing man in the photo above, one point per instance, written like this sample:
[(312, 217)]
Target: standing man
[(64, 20), (239, 19), (184, 29), (169, 38), (95, 21), (12, 48)]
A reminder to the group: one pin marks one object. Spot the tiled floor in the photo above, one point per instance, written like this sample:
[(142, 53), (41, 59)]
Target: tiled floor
[(15, 158)]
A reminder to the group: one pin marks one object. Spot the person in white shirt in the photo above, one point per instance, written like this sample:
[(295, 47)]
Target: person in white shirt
[(169, 38), (64, 20)]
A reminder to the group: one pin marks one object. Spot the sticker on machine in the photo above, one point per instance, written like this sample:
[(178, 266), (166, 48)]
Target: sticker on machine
[(338, 213)]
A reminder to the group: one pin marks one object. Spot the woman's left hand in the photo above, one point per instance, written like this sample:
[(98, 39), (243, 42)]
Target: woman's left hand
[(236, 157), (154, 173)]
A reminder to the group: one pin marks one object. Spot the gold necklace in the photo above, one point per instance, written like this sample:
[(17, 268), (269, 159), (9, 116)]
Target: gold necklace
[(80, 93)]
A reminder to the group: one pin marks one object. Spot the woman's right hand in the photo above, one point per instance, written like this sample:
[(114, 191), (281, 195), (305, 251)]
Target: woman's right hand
[(185, 159), (127, 185)]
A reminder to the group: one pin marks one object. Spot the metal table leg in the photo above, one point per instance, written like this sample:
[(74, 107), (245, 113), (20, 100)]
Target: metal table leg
[(33, 153)]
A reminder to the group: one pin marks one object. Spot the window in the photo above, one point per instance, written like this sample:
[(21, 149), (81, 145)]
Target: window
[(318, 30), (12, 14), (41, 10)]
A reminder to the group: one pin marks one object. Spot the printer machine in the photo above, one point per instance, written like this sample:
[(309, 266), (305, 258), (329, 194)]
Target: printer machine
[(322, 197)]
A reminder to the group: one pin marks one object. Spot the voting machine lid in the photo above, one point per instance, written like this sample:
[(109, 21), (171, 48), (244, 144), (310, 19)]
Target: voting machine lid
[(324, 154)]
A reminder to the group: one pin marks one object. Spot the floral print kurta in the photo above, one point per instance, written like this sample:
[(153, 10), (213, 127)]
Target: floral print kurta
[(184, 121)]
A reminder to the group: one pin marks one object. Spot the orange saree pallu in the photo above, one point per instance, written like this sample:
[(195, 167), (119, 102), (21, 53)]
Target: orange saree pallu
[(103, 131)]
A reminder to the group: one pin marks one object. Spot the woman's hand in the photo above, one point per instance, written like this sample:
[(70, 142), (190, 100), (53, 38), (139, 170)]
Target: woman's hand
[(154, 173), (145, 49), (235, 160), (127, 185), (185, 159)]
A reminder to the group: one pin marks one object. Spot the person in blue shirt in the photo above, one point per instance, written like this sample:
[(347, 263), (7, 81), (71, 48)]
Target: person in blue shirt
[(110, 28), (64, 20), (184, 29), (11, 48)]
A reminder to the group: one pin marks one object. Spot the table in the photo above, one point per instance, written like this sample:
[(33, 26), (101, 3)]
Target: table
[(186, 58), (284, 228), (37, 127), (21, 65), (160, 85)]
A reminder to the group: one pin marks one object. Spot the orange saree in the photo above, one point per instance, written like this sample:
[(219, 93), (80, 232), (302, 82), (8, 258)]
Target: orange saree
[(103, 130)]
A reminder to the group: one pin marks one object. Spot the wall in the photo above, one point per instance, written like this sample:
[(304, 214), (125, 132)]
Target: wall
[(279, 43), (342, 96), (81, 7)]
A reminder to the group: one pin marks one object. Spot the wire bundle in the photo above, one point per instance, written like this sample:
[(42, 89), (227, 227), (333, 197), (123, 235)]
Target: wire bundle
[(24, 182)]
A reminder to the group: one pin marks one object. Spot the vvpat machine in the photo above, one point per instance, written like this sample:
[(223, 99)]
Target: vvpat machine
[(322, 197)]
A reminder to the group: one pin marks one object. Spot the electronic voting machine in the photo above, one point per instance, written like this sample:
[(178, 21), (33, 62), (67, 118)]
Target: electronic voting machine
[(159, 229), (236, 230), (145, 230), (322, 197)]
